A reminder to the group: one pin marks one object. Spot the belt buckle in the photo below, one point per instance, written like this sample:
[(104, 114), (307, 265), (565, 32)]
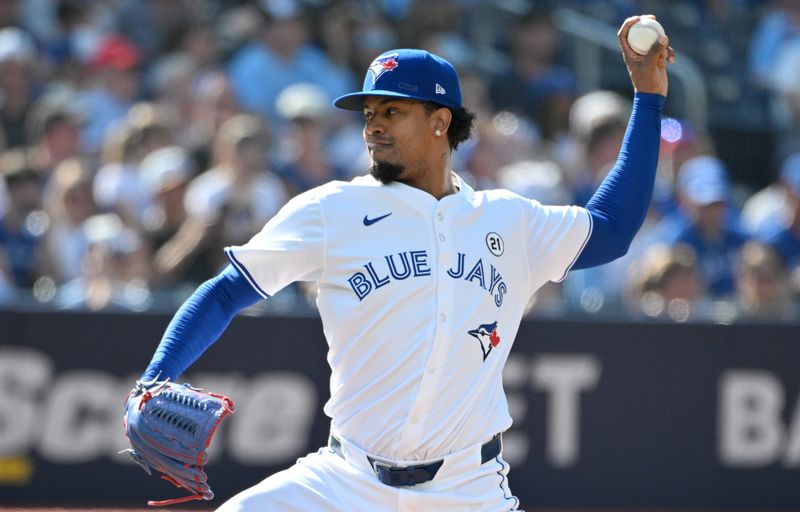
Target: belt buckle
[(378, 464), (395, 476), (404, 476)]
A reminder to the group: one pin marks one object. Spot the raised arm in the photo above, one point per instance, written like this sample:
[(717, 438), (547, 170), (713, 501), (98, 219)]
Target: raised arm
[(620, 204)]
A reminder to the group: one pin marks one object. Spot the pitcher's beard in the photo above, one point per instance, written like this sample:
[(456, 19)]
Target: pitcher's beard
[(386, 172)]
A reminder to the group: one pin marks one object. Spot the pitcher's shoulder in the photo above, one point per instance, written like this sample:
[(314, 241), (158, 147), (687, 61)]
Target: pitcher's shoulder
[(501, 196), (336, 191)]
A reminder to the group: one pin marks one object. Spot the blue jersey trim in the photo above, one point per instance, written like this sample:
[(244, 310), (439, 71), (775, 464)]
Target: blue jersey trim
[(579, 251), (245, 273)]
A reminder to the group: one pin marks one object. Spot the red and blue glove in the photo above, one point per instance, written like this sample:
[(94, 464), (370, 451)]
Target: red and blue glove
[(170, 426)]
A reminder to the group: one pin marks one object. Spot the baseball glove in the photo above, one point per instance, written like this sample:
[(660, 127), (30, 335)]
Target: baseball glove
[(169, 427)]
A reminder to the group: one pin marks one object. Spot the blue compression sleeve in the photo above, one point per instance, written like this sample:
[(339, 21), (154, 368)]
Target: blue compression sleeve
[(200, 321), (620, 204)]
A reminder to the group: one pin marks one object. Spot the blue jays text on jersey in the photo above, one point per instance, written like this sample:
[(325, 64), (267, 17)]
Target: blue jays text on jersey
[(414, 305), (405, 264)]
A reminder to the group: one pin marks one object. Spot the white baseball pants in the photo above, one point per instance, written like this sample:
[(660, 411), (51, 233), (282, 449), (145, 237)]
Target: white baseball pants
[(324, 481)]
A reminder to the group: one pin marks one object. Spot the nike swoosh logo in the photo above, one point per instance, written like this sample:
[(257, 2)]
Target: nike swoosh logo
[(369, 222)]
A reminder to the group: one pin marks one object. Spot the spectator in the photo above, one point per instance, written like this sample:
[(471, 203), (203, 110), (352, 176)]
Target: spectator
[(68, 203), (681, 140), (212, 103), (173, 78), (784, 233), (183, 246), (113, 269), (334, 26), (155, 123), (281, 56), (151, 25), (199, 41), (23, 224), (708, 227), (536, 86), (764, 292), (117, 185), (169, 82), (239, 192), (53, 129), (18, 58), (80, 29), (786, 84), (767, 209), (114, 70), (304, 163), (665, 282)]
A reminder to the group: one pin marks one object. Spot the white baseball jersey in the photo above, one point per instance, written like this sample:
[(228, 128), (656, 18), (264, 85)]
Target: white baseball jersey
[(420, 301)]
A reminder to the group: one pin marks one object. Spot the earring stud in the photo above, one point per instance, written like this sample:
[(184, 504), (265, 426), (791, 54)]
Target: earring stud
[(438, 132)]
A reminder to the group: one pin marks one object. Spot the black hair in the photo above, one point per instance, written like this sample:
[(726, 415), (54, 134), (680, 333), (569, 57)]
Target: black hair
[(460, 126)]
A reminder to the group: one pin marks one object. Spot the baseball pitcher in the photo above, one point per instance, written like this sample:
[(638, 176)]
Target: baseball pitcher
[(422, 282)]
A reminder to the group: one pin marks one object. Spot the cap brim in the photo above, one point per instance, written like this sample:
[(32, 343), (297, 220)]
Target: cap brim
[(355, 100)]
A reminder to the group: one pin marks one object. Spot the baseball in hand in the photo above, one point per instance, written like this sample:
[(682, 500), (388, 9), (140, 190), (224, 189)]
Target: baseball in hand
[(643, 35)]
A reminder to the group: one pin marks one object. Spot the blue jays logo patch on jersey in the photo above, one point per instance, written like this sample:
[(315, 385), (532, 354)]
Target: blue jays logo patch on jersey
[(487, 337), (383, 64)]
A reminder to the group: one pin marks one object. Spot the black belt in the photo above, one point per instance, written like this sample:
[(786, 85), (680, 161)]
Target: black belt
[(404, 476)]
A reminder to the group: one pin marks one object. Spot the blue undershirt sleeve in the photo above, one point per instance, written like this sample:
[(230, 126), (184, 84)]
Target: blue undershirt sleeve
[(620, 204), (199, 322)]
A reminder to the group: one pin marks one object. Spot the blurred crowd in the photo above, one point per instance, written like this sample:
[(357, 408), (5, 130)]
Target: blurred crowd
[(140, 137)]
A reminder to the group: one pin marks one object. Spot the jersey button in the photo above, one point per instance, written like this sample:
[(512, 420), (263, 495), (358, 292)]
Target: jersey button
[(441, 237), (431, 370), (440, 216), (442, 317), (414, 420)]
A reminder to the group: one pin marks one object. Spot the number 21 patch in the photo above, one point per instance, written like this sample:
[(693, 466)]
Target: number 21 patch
[(495, 243)]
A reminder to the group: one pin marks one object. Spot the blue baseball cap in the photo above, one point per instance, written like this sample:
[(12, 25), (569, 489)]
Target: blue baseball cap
[(405, 73)]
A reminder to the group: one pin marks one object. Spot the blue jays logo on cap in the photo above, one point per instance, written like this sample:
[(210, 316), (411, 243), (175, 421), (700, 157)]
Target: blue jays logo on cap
[(407, 73), (382, 65)]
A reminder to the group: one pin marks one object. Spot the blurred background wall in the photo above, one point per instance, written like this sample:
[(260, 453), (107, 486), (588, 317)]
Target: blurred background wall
[(611, 415)]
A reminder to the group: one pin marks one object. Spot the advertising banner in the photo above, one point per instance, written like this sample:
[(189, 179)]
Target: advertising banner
[(605, 414)]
